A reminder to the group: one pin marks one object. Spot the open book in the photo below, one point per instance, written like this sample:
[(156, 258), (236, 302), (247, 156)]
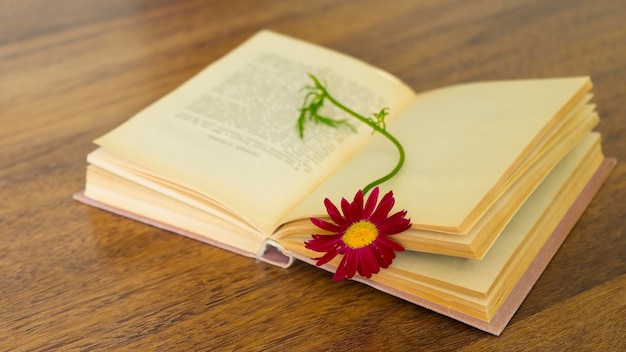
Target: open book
[(496, 173)]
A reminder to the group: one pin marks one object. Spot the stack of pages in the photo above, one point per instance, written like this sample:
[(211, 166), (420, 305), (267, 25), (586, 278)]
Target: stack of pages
[(496, 173)]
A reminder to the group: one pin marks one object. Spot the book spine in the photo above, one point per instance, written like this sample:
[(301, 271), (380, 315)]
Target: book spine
[(273, 253)]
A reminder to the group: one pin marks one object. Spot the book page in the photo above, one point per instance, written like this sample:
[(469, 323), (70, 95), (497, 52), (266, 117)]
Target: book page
[(230, 132), (463, 145), (522, 238), (464, 282)]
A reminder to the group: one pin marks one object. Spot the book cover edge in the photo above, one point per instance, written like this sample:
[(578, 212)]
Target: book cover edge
[(268, 252)]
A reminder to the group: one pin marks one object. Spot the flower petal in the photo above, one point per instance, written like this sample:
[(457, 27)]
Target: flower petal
[(372, 199), (396, 223), (368, 262), (382, 261), (342, 269), (345, 208), (325, 225), (334, 213), (358, 199), (396, 228), (348, 266), (363, 268), (330, 255), (384, 241), (385, 254), (323, 243), (356, 213), (385, 205)]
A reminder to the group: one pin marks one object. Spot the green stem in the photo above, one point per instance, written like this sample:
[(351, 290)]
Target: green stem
[(379, 130)]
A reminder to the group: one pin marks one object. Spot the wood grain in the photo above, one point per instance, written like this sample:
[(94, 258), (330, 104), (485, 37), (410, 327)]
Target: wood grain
[(75, 278)]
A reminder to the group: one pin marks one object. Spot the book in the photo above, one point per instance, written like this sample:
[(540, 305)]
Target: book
[(496, 173)]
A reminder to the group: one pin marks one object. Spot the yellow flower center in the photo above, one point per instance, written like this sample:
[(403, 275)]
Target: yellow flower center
[(360, 234)]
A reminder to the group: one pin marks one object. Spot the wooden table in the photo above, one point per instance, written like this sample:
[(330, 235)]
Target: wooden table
[(73, 277)]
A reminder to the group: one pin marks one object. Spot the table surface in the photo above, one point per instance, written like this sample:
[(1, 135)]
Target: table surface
[(73, 277)]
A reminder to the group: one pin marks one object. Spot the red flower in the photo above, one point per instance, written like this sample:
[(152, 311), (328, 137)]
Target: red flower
[(360, 235)]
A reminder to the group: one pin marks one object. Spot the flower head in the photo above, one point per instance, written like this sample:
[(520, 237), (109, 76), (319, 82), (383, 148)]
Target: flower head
[(360, 235)]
